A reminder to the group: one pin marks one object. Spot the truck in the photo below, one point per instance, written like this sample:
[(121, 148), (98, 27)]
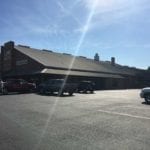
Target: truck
[(60, 86), (85, 86)]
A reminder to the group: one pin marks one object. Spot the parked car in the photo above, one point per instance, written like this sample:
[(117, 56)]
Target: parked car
[(57, 85), (145, 93), (86, 86), (18, 85), (1, 86)]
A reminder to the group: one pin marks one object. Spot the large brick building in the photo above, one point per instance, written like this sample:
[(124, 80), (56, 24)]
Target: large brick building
[(19, 61)]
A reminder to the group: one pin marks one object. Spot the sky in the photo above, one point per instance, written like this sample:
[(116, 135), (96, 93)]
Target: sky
[(111, 28)]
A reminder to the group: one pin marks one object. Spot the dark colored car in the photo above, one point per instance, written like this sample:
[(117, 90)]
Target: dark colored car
[(18, 85), (57, 85), (86, 86)]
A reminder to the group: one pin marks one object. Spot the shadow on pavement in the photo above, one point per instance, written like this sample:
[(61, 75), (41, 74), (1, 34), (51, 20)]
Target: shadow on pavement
[(86, 93), (54, 94), (15, 93), (144, 103)]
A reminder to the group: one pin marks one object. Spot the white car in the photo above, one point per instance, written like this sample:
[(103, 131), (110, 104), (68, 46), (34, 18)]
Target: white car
[(145, 93)]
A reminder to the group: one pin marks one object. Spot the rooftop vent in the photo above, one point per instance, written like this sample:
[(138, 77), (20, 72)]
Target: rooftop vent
[(66, 54), (46, 50), (9, 44), (24, 46), (133, 67), (107, 61), (113, 61), (82, 56), (96, 57), (126, 66)]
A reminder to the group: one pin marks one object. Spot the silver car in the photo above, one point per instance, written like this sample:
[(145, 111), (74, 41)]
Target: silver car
[(145, 93), (1, 86)]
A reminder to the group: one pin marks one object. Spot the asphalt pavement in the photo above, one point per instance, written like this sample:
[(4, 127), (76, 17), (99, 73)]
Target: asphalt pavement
[(105, 120)]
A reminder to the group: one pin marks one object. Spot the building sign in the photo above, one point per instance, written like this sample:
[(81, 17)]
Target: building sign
[(7, 55), (21, 62), (7, 59)]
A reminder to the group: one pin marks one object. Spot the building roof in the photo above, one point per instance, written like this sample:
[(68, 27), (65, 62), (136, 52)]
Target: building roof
[(81, 65)]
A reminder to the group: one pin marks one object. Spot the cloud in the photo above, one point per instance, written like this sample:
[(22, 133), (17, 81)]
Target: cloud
[(68, 11), (145, 45), (109, 5), (109, 12), (39, 28)]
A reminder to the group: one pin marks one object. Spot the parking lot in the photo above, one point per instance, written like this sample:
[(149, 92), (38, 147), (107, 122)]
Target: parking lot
[(105, 120)]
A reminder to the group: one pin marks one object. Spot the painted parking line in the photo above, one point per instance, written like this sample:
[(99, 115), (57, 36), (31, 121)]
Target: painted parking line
[(123, 114), (136, 107), (143, 108)]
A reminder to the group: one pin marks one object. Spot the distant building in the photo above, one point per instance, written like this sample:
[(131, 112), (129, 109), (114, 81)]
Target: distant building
[(18, 61)]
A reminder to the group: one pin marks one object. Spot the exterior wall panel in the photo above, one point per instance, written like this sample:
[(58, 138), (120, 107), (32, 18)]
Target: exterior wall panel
[(23, 63)]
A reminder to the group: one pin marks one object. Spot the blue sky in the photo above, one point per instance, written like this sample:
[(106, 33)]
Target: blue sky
[(118, 28)]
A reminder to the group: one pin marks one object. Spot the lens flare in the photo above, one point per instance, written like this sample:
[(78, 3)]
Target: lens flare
[(84, 32), (81, 40)]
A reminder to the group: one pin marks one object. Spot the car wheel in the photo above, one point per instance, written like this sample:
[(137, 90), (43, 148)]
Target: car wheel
[(42, 91), (147, 98), (92, 91), (85, 91), (60, 93), (70, 93), (31, 90), (5, 91)]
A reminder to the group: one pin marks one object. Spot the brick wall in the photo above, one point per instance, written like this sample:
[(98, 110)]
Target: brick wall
[(17, 62)]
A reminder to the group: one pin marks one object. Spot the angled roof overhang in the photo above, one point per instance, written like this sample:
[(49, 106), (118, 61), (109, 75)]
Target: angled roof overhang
[(79, 73)]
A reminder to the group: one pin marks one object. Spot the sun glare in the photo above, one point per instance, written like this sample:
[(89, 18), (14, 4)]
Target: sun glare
[(104, 5), (100, 3)]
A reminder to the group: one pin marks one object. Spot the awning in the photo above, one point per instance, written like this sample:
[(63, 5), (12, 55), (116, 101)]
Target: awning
[(65, 72), (80, 73)]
